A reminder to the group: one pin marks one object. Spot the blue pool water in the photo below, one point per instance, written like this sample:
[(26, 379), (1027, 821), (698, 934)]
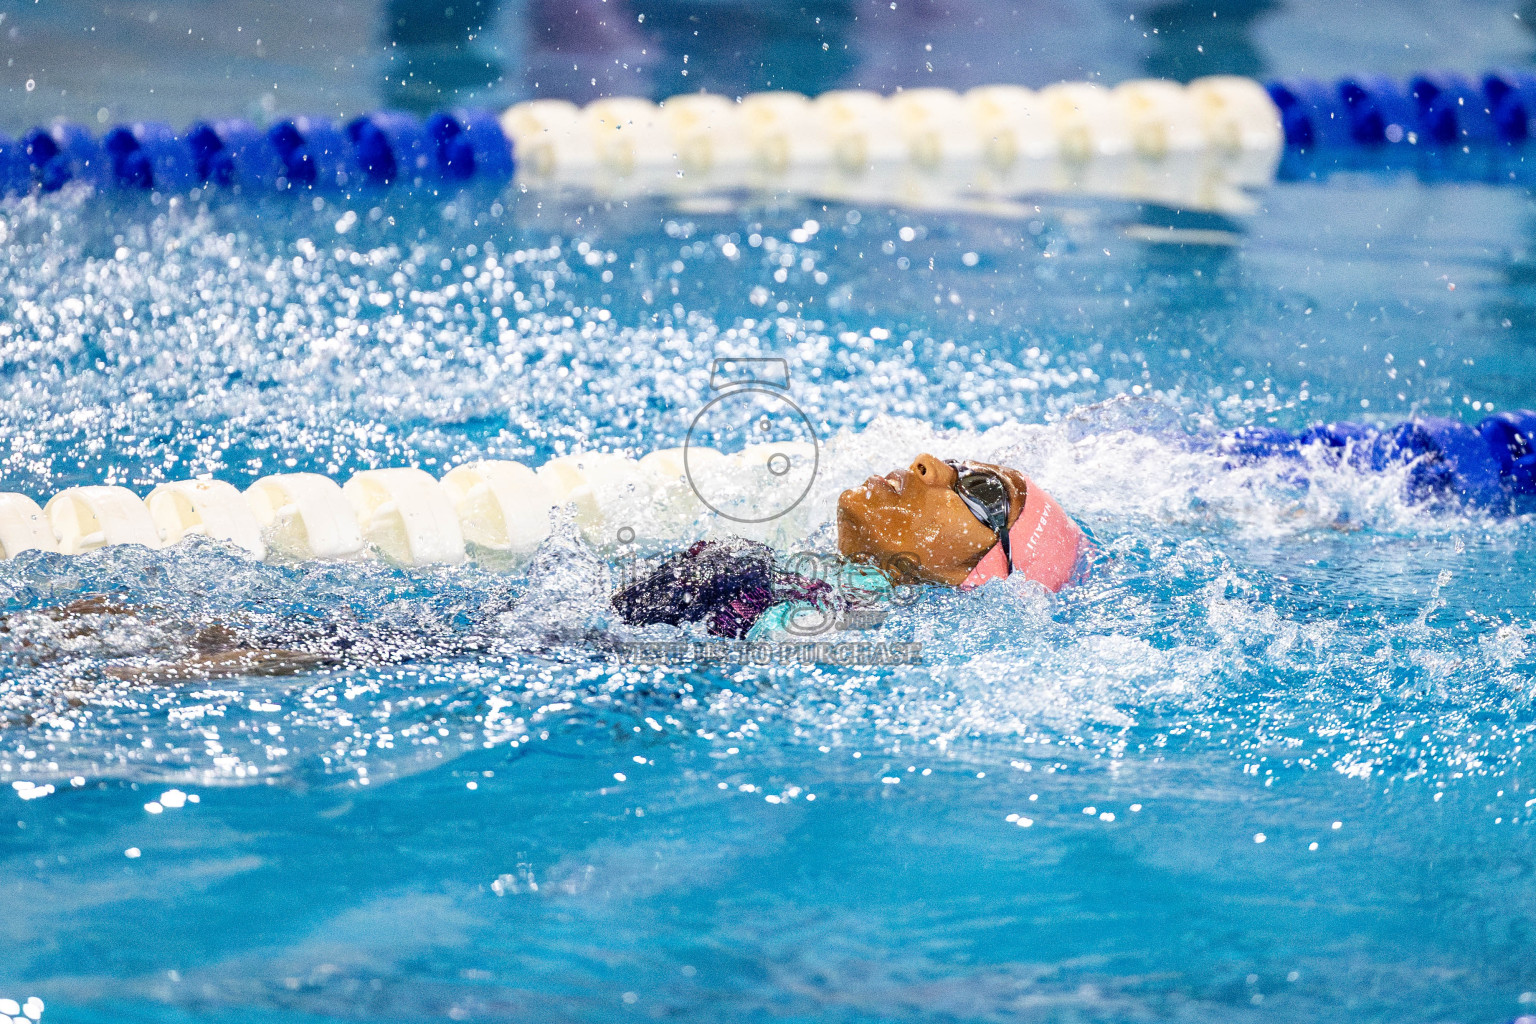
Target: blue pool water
[(1319, 664), (1270, 763)]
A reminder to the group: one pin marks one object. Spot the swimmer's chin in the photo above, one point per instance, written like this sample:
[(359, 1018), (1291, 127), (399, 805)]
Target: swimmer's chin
[(850, 522)]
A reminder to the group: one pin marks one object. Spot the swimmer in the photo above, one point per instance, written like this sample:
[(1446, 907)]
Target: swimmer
[(937, 522)]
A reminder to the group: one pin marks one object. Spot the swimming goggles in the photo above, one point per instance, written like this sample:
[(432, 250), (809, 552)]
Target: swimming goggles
[(985, 494)]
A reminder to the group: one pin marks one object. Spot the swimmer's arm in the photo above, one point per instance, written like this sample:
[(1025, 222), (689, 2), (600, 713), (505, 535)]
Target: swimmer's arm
[(224, 665), (72, 613), (217, 651)]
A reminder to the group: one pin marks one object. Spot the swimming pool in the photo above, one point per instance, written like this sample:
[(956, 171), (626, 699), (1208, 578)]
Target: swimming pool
[(1269, 762)]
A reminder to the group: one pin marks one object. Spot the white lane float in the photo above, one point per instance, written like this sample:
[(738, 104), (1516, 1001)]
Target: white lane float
[(1237, 114), (675, 505), (1160, 118), (208, 508), (787, 150), (631, 140), (86, 518), (708, 135), (407, 516), (609, 493), (23, 527), (1019, 147), (503, 507), (553, 142), (937, 128), (304, 516), (863, 130)]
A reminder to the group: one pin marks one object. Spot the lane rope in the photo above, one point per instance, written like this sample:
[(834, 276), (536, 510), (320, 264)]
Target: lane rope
[(499, 512), (1197, 145), (1145, 139)]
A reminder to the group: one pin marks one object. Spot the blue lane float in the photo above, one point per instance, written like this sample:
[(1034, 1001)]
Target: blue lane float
[(1492, 464), (1436, 110), (315, 153), (63, 153), (390, 146), (1513, 95), (234, 154), (1376, 110), (1439, 127), (15, 171), (150, 155), (385, 149), (470, 143), (1312, 114), (1452, 111)]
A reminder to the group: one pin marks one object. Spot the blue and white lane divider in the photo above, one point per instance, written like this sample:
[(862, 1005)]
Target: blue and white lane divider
[(498, 512), (1491, 464), (1196, 146), (1149, 139)]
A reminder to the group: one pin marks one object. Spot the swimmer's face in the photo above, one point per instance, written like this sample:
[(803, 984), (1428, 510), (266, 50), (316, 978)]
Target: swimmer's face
[(914, 527)]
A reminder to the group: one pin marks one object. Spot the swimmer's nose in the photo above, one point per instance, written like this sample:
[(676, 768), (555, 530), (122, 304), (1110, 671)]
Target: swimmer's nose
[(933, 472)]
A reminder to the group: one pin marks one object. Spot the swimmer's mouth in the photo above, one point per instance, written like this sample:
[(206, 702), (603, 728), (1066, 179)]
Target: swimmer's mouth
[(856, 504)]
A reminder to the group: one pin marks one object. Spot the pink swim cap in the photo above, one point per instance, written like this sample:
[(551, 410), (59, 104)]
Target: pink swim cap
[(1044, 541)]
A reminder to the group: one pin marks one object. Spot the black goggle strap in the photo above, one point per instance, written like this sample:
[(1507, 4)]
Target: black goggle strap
[(985, 494)]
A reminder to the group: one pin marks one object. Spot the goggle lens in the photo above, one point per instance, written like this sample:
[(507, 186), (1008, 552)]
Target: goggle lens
[(986, 496)]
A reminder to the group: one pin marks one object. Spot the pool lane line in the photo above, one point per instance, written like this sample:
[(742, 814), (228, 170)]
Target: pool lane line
[(500, 512)]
